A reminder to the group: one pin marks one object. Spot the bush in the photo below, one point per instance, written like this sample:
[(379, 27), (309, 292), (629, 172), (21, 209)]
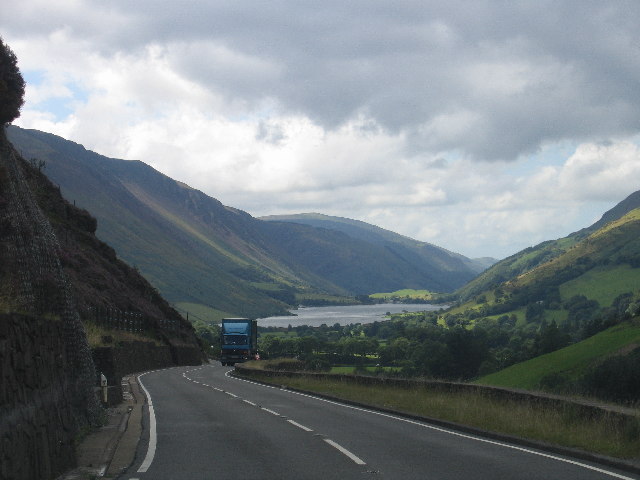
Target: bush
[(11, 85), (617, 379)]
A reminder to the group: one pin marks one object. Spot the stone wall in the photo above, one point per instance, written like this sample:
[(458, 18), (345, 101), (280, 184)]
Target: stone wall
[(40, 412)]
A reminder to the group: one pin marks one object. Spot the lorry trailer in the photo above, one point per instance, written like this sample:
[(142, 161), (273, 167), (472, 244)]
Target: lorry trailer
[(239, 340)]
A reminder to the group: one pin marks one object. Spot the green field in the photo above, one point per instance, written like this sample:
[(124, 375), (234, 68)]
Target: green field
[(572, 360), (603, 284), (201, 312), (405, 293)]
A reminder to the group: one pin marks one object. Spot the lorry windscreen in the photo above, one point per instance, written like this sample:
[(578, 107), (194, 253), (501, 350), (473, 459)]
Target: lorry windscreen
[(235, 339)]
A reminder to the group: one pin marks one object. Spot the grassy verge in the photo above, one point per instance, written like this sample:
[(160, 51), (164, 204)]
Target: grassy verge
[(558, 426)]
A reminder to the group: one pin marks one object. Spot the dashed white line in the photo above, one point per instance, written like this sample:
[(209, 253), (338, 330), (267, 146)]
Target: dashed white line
[(306, 429), (231, 394), (270, 411), (249, 402), (344, 451)]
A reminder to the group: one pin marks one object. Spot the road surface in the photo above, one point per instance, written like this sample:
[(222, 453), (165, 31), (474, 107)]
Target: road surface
[(203, 424)]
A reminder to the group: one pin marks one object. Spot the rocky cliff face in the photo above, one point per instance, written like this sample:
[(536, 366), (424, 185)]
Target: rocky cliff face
[(56, 278), (47, 369)]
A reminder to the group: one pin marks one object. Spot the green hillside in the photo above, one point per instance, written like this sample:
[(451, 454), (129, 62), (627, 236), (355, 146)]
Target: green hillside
[(571, 361), (532, 257), (554, 325)]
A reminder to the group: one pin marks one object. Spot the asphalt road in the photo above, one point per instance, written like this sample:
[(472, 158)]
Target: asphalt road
[(203, 424)]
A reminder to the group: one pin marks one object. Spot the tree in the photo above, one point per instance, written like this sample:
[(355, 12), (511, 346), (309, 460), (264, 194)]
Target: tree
[(11, 85)]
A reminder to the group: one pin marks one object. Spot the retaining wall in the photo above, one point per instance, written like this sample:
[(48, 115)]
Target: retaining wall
[(40, 412)]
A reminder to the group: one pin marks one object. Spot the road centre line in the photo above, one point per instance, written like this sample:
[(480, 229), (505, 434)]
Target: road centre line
[(442, 430), (270, 411), (344, 451), (335, 445), (306, 429)]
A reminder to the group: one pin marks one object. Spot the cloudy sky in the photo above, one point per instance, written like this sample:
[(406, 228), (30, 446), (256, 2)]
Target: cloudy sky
[(483, 127)]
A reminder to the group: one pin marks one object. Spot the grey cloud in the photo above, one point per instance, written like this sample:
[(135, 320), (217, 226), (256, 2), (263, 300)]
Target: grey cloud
[(409, 65)]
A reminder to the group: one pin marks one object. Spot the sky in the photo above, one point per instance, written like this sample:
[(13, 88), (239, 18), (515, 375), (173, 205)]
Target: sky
[(483, 127)]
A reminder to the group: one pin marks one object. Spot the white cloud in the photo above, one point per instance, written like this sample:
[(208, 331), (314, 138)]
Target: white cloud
[(382, 112)]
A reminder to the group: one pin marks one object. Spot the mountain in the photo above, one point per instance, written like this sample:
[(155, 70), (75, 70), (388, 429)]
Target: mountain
[(200, 253), (532, 257), (427, 255)]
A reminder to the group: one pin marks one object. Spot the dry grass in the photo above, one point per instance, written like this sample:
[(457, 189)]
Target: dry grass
[(559, 426), (103, 337)]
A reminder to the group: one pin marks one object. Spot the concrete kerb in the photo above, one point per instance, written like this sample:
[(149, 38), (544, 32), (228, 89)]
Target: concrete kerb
[(111, 449), (130, 429), (631, 467)]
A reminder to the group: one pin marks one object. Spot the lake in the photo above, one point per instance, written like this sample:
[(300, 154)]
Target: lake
[(344, 315)]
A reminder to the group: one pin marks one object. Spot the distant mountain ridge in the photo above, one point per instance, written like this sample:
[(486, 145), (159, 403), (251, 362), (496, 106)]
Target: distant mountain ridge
[(195, 250), (426, 252), (543, 253)]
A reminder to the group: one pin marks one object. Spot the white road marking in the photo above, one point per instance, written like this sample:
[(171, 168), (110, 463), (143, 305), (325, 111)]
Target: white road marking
[(344, 451), (270, 411), (306, 429), (443, 430), (231, 394), (153, 437), (250, 403)]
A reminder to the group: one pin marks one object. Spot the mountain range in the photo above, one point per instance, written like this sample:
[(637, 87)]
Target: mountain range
[(204, 256)]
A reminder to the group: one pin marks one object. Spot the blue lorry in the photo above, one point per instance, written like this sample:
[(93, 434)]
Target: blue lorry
[(239, 340)]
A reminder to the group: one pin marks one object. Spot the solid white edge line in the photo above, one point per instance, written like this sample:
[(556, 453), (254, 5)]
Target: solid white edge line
[(306, 429), (444, 430), (153, 437), (344, 451)]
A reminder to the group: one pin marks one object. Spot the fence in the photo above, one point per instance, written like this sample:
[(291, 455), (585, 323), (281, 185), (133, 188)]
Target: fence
[(129, 321)]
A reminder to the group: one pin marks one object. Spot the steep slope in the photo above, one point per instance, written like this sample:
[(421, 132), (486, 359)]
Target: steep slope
[(542, 253), (196, 250), (97, 278)]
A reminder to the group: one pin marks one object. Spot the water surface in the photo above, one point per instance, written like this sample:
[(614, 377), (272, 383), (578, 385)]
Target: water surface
[(344, 315)]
